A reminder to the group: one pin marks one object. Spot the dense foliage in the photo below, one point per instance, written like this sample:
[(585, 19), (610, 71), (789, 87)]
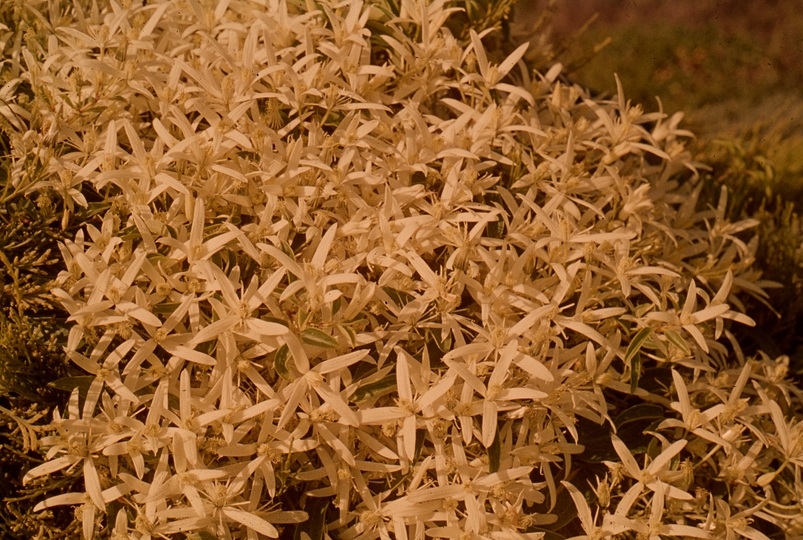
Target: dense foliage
[(338, 273)]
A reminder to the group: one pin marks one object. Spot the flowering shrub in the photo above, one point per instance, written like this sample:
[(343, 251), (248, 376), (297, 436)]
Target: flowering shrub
[(350, 278)]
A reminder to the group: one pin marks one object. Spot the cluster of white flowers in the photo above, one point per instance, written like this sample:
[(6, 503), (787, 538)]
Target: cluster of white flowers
[(345, 262)]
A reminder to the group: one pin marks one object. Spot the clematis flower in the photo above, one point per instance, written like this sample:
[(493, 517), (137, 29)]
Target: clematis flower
[(688, 318), (654, 528), (693, 420), (237, 313), (726, 524), (493, 392), (650, 476), (588, 521)]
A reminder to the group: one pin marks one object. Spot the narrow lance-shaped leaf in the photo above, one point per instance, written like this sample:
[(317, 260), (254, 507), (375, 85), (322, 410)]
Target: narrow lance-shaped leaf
[(317, 338), (637, 343), (633, 358), (678, 341), (495, 453), (280, 360), (635, 372)]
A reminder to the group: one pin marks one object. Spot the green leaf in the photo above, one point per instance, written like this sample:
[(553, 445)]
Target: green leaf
[(382, 386), (349, 332), (495, 453), (157, 258), (129, 233), (114, 508), (69, 384), (635, 371), (287, 250), (364, 370), (276, 320), (165, 307), (633, 358), (596, 441), (317, 338), (280, 363), (302, 318), (635, 434), (642, 309), (419, 444), (95, 208), (678, 341), (174, 402), (640, 412), (654, 448), (315, 526), (159, 228), (637, 343), (445, 345), (496, 229), (400, 298), (385, 12)]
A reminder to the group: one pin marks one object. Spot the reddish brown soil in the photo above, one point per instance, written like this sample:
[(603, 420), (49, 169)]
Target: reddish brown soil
[(759, 17)]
